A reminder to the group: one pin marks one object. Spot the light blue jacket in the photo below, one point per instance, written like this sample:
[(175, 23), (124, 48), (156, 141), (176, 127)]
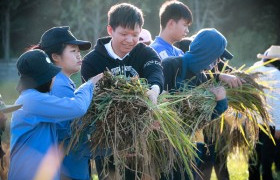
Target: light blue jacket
[(164, 49), (75, 164), (33, 127)]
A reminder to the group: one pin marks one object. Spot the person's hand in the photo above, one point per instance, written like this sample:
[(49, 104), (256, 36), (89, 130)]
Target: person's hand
[(152, 96), (231, 80), (153, 93), (96, 78), (277, 134), (219, 92)]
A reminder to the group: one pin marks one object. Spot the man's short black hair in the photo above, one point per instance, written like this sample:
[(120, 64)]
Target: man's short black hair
[(175, 10), (125, 15)]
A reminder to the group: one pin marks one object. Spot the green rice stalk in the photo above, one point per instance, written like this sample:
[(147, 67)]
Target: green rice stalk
[(249, 101)]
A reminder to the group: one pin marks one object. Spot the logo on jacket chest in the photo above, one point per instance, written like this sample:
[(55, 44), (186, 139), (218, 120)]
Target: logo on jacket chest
[(127, 71)]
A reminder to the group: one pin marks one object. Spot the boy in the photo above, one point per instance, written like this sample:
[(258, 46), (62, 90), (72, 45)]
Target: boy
[(175, 19), (121, 53)]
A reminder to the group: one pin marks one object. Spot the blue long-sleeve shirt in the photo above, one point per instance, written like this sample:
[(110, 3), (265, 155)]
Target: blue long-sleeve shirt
[(33, 127), (75, 164), (164, 49), (63, 87)]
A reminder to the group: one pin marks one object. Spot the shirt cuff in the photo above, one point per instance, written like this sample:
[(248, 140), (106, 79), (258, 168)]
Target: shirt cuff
[(155, 88)]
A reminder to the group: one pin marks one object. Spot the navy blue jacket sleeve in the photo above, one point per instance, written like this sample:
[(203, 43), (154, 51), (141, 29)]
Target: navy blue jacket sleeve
[(171, 69), (220, 108)]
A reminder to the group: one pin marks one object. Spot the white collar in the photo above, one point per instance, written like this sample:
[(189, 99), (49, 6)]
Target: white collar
[(111, 52)]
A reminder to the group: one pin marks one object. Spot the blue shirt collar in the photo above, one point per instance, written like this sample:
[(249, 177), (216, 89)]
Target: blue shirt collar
[(163, 42), (169, 47), (66, 79)]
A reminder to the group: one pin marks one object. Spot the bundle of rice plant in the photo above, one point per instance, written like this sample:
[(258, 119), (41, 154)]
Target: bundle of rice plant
[(195, 106), (121, 118), (231, 134)]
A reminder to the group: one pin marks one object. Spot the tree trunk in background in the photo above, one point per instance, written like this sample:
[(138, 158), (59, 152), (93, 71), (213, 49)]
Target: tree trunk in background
[(7, 34)]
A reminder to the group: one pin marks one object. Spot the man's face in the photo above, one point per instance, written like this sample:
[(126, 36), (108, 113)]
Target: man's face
[(124, 39), (180, 29)]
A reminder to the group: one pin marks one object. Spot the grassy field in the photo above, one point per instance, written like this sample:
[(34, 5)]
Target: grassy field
[(238, 168)]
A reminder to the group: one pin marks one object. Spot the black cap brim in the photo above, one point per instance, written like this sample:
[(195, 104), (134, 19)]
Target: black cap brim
[(227, 55), (83, 45)]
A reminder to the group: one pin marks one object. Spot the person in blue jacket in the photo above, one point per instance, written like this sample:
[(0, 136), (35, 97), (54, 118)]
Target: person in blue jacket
[(34, 142), (64, 52), (205, 51)]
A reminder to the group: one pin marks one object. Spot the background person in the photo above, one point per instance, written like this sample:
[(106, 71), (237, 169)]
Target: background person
[(266, 151)]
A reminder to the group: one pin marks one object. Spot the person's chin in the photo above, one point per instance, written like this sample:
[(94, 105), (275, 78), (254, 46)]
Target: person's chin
[(126, 50), (76, 70)]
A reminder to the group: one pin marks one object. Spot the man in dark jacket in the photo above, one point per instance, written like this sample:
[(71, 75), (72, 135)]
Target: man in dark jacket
[(122, 54)]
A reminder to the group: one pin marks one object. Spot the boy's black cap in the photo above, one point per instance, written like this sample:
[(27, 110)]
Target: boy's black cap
[(62, 35), (184, 45), (35, 69)]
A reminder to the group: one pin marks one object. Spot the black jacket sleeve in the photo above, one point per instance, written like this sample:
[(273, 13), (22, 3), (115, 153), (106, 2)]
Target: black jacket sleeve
[(88, 69), (152, 68), (220, 108)]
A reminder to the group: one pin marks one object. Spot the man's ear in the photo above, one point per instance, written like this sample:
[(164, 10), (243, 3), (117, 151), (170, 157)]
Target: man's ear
[(109, 30), (55, 58), (170, 23)]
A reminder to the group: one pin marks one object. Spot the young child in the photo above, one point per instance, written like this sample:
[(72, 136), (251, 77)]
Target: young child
[(64, 52), (121, 52), (175, 19), (33, 127)]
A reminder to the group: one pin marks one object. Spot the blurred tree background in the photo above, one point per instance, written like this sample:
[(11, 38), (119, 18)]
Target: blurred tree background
[(250, 26)]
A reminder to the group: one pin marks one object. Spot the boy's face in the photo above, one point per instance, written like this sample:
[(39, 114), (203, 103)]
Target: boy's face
[(124, 39), (180, 29)]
